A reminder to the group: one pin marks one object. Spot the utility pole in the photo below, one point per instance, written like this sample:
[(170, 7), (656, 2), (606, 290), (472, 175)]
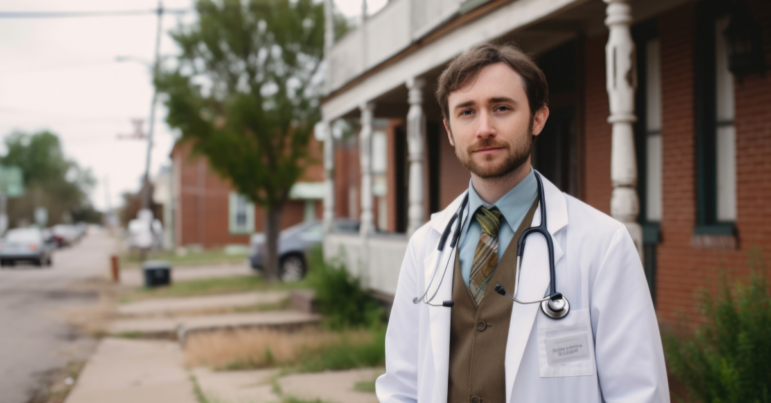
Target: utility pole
[(147, 196)]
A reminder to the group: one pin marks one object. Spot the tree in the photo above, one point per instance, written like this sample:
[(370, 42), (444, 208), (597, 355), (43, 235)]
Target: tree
[(245, 91), (50, 179)]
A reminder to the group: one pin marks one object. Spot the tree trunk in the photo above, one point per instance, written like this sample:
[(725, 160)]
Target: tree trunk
[(272, 227)]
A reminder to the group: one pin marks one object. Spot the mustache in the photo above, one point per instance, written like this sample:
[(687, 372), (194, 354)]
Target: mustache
[(488, 143)]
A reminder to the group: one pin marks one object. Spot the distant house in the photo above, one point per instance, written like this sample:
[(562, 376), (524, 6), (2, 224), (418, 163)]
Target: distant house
[(651, 107), (209, 213)]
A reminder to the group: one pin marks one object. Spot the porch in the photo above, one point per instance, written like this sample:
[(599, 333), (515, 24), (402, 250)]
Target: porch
[(381, 79)]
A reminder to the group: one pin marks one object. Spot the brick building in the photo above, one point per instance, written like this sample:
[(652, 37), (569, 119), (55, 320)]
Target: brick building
[(209, 213), (700, 140)]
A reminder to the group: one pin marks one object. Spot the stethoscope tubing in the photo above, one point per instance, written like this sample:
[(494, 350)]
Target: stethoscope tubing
[(454, 243)]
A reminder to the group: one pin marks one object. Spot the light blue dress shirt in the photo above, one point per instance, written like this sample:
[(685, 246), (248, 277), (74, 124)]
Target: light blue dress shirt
[(513, 206)]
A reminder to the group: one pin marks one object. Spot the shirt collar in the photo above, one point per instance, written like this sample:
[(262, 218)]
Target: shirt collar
[(511, 205)]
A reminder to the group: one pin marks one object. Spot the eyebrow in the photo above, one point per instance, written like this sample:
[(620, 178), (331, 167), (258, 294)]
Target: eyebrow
[(493, 100)]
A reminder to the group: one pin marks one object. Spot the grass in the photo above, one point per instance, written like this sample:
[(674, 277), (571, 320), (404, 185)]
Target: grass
[(367, 387), (212, 286), (131, 259), (311, 349)]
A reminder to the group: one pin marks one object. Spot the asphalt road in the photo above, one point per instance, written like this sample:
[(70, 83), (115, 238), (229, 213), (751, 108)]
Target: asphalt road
[(34, 339)]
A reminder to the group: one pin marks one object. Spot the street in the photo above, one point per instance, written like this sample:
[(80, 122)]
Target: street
[(34, 339)]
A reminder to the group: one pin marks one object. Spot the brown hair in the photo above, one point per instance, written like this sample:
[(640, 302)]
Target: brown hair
[(468, 64)]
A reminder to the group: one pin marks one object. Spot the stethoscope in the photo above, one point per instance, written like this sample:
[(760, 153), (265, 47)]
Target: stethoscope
[(554, 305)]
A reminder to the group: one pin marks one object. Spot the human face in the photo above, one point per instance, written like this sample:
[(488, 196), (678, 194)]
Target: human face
[(490, 123)]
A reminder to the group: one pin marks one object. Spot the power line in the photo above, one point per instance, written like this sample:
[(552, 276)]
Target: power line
[(70, 14)]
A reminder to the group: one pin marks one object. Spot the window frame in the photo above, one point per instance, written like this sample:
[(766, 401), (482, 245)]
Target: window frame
[(705, 113), (233, 228), (643, 33)]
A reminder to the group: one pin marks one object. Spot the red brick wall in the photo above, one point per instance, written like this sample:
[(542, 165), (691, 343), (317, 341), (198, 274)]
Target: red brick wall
[(681, 269), (202, 202), (453, 177), (682, 266)]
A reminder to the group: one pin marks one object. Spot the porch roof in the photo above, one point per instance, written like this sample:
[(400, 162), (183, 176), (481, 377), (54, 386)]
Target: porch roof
[(417, 38)]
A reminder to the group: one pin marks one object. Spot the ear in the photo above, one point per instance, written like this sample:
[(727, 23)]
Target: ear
[(449, 132), (539, 120)]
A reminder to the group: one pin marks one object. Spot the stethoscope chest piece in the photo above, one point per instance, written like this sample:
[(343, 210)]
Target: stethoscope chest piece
[(556, 309)]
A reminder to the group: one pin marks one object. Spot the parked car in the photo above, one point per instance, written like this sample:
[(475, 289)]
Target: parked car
[(25, 244), (294, 246), (65, 235)]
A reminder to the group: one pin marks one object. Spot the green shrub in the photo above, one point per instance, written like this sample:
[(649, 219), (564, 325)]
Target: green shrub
[(340, 297), (729, 358)]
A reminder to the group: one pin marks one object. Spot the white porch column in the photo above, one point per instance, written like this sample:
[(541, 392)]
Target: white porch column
[(621, 85), (416, 139), (365, 153), (329, 177)]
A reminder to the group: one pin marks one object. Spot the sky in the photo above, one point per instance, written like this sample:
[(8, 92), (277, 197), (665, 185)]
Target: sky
[(61, 75)]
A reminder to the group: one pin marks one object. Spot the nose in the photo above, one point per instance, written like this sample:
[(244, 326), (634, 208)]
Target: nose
[(485, 130)]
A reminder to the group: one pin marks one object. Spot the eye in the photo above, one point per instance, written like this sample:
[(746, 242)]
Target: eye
[(466, 112), (502, 108)]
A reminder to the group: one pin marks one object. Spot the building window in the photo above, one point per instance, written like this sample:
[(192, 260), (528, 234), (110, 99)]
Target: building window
[(715, 133), (725, 133), (241, 214), (653, 150)]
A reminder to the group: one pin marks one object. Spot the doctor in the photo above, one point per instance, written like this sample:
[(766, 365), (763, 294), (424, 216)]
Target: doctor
[(454, 339)]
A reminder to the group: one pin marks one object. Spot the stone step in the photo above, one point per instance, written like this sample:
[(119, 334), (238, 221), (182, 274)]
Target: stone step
[(181, 327), (168, 306)]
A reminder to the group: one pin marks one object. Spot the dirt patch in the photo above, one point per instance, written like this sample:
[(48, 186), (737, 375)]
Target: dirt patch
[(262, 348), (57, 384), (92, 319)]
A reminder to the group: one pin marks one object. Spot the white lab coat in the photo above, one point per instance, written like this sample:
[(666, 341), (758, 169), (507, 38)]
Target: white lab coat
[(598, 271)]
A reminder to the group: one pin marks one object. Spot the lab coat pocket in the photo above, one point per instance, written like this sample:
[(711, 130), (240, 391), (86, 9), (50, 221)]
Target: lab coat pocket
[(566, 346)]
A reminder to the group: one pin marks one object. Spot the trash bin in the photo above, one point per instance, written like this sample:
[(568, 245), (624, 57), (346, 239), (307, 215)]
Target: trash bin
[(157, 273)]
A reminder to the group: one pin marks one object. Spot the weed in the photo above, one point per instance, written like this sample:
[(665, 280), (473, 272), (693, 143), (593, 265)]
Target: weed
[(199, 395), (211, 286), (129, 335), (308, 349), (367, 386), (346, 354), (340, 296), (729, 358)]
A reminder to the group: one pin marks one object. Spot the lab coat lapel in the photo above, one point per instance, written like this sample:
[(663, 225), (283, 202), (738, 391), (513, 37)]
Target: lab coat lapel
[(534, 280), (440, 316)]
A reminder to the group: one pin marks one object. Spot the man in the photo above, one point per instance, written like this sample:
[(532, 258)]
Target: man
[(479, 346)]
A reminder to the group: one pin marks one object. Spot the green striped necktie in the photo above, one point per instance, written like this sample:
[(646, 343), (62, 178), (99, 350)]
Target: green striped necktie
[(486, 254)]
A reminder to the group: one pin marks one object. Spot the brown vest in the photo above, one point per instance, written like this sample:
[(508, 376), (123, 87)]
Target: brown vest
[(478, 335)]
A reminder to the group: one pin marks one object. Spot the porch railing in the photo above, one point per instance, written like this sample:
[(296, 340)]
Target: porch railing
[(383, 35)]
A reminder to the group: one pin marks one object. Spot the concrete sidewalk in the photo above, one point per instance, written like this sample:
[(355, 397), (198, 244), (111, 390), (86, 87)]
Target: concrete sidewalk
[(180, 327), (167, 306), (135, 277), (130, 371), (330, 386), (257, 385)]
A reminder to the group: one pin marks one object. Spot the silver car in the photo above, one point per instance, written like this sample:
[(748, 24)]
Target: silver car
[(294, 246), (25, 244)]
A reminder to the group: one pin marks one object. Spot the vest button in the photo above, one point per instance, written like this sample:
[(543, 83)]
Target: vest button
[(476, 399), (481, 326)]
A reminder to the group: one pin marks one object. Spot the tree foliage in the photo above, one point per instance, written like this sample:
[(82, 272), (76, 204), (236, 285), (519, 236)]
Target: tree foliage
[(245, 90), (729, 358), (50, 179)]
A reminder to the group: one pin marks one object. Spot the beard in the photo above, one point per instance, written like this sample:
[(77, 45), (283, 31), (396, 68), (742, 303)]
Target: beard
[(517, 155)]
